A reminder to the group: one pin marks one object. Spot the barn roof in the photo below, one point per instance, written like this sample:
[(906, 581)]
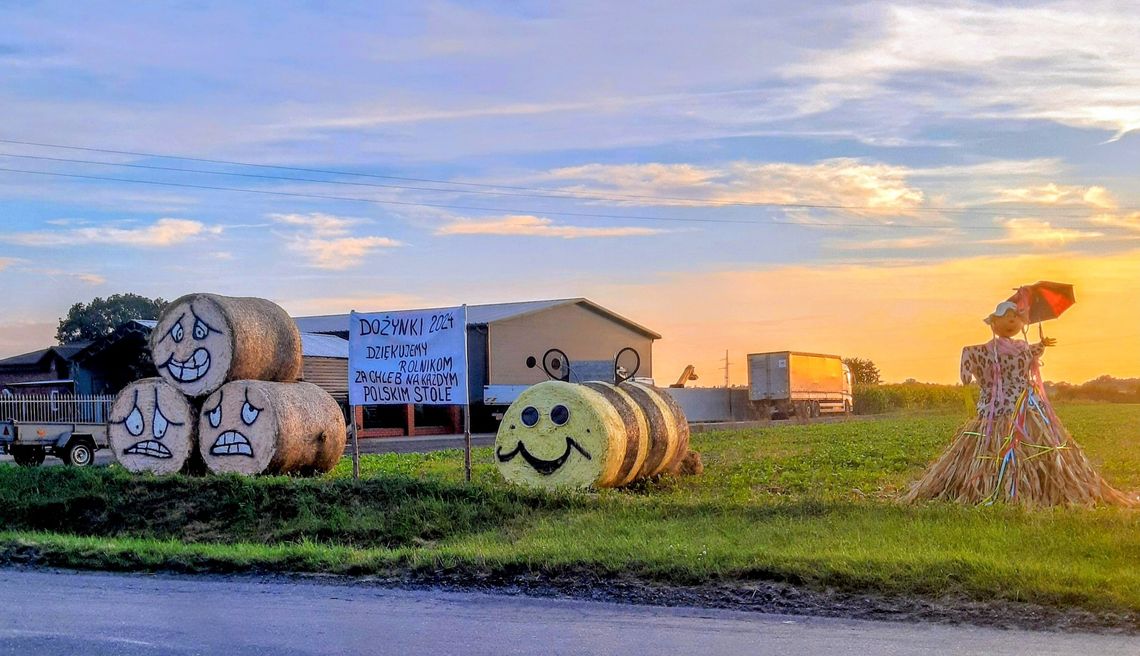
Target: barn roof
[(33, 358), (481, 315)]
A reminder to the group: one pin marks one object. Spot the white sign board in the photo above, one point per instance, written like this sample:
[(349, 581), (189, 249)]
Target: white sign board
[(418, 356)]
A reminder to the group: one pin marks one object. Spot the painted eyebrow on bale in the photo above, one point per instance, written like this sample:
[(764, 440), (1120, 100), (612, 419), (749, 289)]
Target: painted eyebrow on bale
[(134, 405), (199, 320), (171, 329)]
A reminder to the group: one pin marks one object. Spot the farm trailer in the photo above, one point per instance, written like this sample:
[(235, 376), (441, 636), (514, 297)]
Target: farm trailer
[(71, 428), (790, 383)]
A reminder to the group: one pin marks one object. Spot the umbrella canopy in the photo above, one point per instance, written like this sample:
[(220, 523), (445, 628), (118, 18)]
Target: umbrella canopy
[(1043, 300)]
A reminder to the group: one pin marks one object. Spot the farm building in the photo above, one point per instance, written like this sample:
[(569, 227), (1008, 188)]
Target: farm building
[(40, 372), (506, 344)]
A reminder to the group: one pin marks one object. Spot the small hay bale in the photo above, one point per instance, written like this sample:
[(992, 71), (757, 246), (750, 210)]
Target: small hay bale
[(261, 427), (203, 341), (153, 428)]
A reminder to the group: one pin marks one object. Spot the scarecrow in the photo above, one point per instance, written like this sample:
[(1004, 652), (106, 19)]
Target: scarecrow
[(1015, 448)]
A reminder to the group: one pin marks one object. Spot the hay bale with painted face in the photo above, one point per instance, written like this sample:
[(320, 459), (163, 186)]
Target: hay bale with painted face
[(153, 428), (203, 341), (591, 435), (261, 427), (558, 435)]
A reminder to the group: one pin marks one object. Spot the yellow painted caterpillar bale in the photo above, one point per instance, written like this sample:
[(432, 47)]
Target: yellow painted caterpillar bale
[(203, 341), (260, 427), (595, 434), (153, 428)]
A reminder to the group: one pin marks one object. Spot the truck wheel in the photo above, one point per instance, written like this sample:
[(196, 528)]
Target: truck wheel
[(80, 453), (28, 456)]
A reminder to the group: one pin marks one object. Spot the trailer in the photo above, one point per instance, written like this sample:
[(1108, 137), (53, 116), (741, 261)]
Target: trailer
[(790, 383), (71, 428)]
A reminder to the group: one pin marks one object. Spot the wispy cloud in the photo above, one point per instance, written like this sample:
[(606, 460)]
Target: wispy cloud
[(6, 262), (902, 243), (325, 240), (534, 226), (1074, 63), (162, 233), (1041, 233), (1059, 194), (869, 186)]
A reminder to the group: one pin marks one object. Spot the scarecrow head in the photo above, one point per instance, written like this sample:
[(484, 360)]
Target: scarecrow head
[(1007, 319)]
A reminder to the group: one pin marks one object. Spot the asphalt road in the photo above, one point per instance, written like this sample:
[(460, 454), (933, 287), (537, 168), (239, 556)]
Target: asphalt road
[(50, 613)]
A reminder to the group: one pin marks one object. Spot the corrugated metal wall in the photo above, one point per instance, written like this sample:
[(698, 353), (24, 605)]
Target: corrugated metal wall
[(330, 374)]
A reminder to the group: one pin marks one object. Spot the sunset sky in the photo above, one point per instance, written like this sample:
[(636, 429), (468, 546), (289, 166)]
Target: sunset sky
[(866, 179)]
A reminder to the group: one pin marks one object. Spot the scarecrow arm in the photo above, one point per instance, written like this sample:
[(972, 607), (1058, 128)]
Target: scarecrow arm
[(967, 367)]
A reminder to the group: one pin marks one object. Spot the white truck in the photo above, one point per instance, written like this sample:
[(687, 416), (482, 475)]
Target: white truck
[(69, 428), (789, 383)]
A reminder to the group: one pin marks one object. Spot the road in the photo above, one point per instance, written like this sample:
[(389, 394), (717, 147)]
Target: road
[(53, 613)]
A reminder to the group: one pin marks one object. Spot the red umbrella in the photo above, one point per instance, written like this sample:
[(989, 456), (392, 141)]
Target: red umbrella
[(1043, 300)]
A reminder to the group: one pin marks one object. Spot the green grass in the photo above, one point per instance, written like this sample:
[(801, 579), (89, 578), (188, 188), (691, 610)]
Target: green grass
[(812, 505)]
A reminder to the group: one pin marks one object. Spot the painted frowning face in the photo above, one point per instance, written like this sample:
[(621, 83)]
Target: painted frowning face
[(236, 429), (556, 435), (191, 347), (151, 422)]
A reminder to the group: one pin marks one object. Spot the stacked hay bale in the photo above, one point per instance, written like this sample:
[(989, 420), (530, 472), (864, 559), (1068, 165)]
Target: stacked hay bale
[(236, 364), (595, 434)]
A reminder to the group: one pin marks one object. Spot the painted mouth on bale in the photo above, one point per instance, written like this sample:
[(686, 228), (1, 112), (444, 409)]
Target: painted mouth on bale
[(544, 467), (231, 443), (149, 448), (191, 369)]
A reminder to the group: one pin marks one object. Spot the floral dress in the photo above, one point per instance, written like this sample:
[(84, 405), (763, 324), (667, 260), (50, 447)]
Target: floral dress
[(1015, 448)]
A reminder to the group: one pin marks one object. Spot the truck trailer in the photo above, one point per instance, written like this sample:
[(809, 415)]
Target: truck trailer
[(789, 383)]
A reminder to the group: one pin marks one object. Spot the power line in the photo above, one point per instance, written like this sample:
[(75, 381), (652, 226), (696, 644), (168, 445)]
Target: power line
[(532, 192)]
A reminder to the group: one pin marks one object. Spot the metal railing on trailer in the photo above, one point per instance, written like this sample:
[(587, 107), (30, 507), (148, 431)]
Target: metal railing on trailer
[(62, 408)]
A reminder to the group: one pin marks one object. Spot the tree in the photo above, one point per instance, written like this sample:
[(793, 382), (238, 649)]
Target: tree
[(864, 372), (103, 315)]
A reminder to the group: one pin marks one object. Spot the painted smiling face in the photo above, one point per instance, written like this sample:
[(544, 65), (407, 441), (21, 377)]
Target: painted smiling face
[(238, 429), (152, 427), (560, 435), (191, 345)]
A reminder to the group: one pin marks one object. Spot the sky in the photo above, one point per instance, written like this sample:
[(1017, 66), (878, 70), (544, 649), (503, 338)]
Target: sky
[(864, 179)]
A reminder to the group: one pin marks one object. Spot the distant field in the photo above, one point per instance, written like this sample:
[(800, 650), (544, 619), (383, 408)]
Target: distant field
[(812, 505)]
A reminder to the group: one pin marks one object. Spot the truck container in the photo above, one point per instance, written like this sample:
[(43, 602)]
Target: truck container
[(787, 383)]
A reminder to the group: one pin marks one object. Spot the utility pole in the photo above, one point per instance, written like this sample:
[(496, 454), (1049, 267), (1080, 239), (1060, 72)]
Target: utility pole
[(726, 363)]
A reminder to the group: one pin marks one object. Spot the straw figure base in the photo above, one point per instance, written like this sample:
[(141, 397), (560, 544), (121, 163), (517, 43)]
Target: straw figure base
[(1031, 464)]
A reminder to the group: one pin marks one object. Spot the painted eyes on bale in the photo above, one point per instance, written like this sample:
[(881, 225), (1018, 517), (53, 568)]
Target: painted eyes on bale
[(530, 416), (559, 414), (134, 422), (160, 424), (201, 330), (176, 332), (249, 413), (215, 415)]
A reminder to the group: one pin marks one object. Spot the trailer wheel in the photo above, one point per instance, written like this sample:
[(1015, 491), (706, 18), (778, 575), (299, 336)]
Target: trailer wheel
[(80, 453), (28, 456)]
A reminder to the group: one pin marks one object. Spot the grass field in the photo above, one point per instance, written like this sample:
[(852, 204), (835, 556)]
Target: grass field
[(811, 505)]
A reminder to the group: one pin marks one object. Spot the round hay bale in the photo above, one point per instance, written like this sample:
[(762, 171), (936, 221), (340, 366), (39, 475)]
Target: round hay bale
[(559, 435), (153, 428), (203, 341), (261, 427), (636, 430), (663, 429), (678, 449)]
